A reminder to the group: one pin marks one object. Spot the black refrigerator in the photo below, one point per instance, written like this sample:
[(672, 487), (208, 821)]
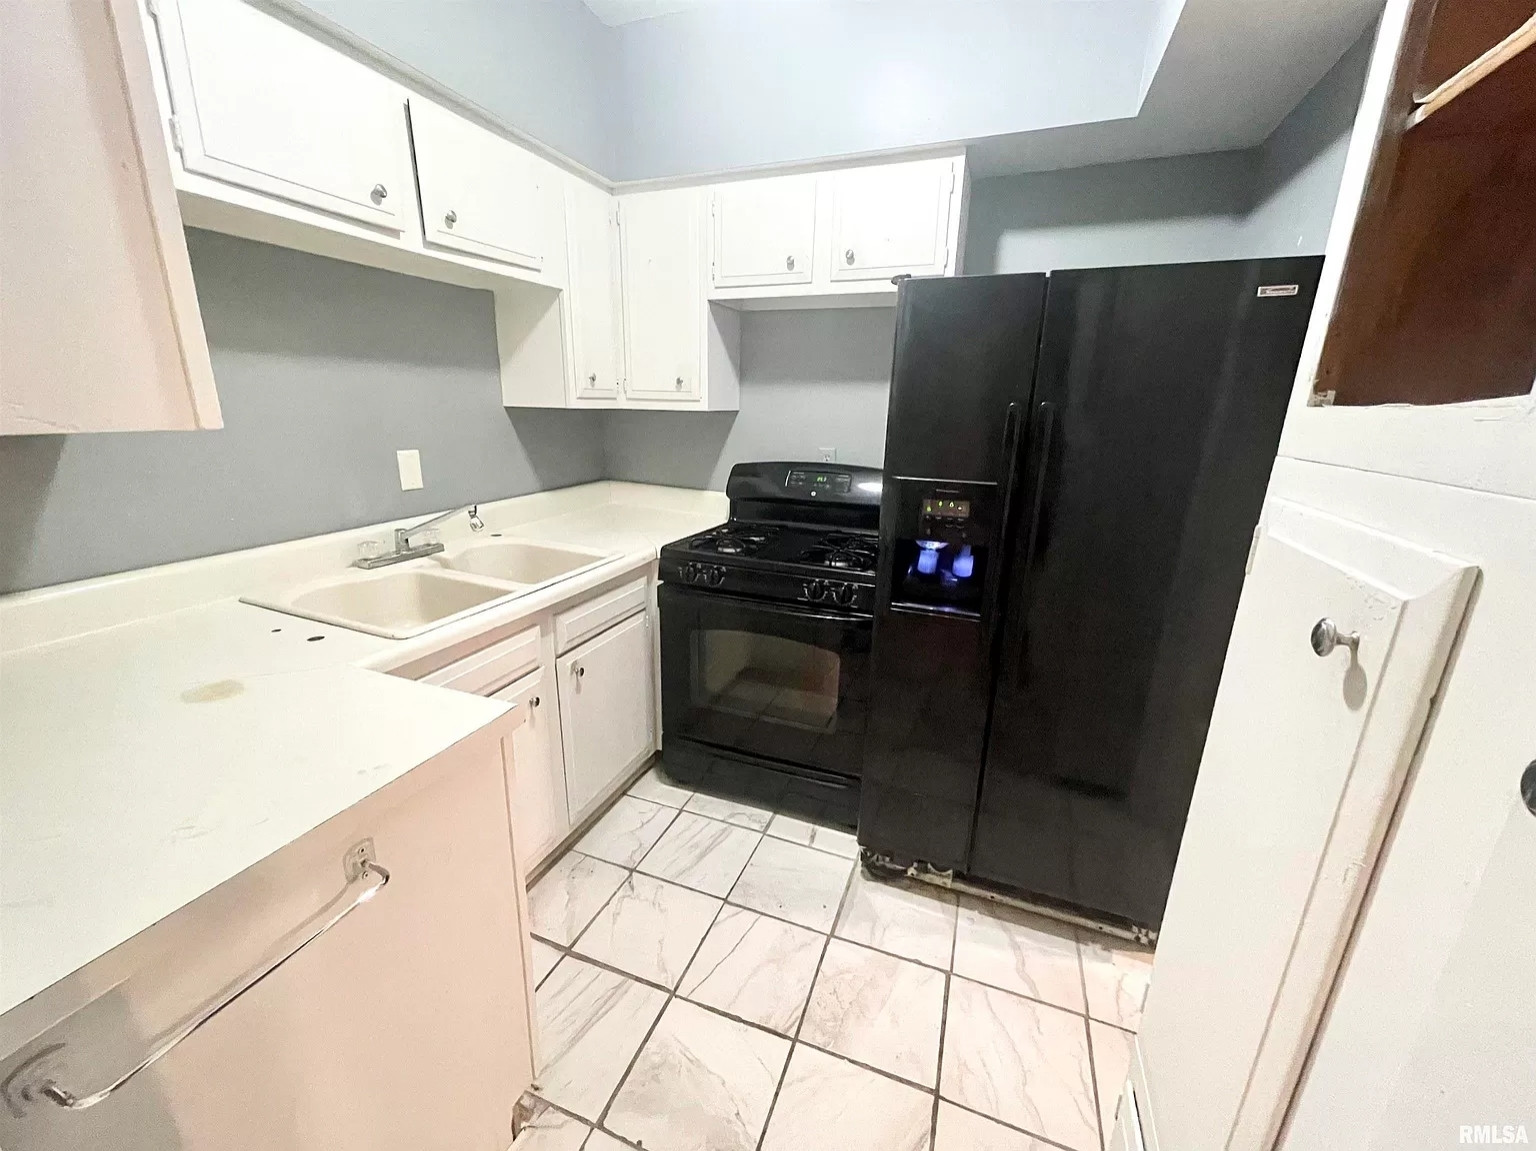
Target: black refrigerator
[(1074, 467)]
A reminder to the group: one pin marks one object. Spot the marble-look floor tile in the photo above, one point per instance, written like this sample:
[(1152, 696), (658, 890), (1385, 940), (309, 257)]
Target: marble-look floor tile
[(1117, 976), (796, 883), (808, 834), (649, 929), (735, 811), (702, 1083), (701, 853), (552, 1130), (602, 1141), (829, 1104), (1018, 951), (914, 920), (569, 894), (655, 786), (627, 831), (591, 1023), (1111, 1065), (1019, 1061), (754, 968), (544, 959), (962, 1130), (879, 1010)]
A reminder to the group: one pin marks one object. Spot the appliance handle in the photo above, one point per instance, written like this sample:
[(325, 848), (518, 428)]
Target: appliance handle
[(365, 880), (1045, 415), (1011, 439)]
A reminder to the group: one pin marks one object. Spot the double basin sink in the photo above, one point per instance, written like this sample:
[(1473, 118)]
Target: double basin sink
[(418, 595)]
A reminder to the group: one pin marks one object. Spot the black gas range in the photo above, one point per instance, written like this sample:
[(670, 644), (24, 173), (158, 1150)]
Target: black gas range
[(765, 635)]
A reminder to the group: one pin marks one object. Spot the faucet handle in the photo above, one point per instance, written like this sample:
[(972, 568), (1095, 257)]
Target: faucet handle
[(476, 524)]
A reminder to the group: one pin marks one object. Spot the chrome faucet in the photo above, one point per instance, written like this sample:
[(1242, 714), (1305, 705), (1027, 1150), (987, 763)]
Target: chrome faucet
[(405, 550)]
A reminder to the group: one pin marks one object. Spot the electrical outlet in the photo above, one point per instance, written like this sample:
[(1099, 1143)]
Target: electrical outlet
[(828, 455), (409, 461)]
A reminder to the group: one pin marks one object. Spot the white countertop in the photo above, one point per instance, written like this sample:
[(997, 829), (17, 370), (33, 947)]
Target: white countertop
[(145, 762)]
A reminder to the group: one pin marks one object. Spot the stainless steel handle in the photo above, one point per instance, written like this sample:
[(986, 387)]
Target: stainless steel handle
[(451, 218), (365, 879), (789, 262), (848, 256), (1326, 636), (378, 193)]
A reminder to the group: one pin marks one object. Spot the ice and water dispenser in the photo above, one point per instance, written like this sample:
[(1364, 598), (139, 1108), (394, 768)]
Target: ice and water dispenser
[(941, 536)]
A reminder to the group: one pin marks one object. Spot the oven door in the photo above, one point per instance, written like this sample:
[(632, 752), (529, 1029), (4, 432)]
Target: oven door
[(771, 680)]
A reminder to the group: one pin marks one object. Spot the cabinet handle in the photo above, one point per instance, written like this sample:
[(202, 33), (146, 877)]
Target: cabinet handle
[(679, 383), (378, 193), (848, 257), (789, 262), (591, 377), (365, 879), (580, 671), (451, 218), (1528, 786), (1326, 637), (534, 702)]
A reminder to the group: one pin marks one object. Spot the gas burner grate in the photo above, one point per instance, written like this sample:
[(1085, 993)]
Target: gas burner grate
[(732, 541), (843, 551)]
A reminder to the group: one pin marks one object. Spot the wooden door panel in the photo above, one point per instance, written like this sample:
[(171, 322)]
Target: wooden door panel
[(539, 815), (606, 710), (1302, 765)]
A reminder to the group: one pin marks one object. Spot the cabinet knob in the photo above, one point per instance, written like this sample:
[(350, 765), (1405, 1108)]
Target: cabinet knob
[(534, 702), (1528, 786), (679, 384), (848, 256), (580, 671), (378, 193), (789, 262), (591, 377), (451, 218), (1326, 636)]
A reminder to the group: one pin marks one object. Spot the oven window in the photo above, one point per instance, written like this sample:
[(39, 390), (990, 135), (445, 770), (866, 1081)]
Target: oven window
[(766, 677)]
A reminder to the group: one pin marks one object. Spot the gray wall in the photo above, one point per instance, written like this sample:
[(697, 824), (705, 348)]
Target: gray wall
[(324, 370), (733, 85), (1273, 200), (548, 66), (810, 380)]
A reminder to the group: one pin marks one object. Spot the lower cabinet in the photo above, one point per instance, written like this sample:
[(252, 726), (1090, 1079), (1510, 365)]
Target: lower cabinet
[(539, 814), (607, 709)]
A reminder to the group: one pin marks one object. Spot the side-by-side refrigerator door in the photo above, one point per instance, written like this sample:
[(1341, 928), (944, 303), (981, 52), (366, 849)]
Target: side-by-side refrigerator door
[(1159, 397)]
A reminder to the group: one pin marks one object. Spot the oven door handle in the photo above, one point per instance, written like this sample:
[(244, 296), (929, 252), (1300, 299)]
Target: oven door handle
[(784, 609)]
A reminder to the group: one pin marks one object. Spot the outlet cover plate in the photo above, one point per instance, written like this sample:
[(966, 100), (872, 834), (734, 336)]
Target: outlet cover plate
[(409, 462)]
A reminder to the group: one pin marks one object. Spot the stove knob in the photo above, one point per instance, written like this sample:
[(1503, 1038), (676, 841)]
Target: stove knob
[(843, 594), (716, 576), (688, 572), (816, 590)]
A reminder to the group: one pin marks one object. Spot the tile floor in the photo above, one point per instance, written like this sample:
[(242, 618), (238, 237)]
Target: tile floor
[(716, 976)]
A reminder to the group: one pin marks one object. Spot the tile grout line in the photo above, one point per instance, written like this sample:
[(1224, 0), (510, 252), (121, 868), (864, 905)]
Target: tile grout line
[(938, 1076), (1093, 1071), (794, 1040)]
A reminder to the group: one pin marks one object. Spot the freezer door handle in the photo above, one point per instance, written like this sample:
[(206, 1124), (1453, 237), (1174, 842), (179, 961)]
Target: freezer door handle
[(31, 1082), (1045, 436)]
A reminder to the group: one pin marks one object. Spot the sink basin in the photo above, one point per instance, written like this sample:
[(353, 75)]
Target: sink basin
[(397, 604), (519, 561)]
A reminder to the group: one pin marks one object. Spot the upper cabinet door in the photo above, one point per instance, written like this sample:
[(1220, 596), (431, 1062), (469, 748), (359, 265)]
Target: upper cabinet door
[(480, 193), (663, 294), (1310, 741), (891, 220), (764, 231), (263, 105), (99, 322), (592, 239)]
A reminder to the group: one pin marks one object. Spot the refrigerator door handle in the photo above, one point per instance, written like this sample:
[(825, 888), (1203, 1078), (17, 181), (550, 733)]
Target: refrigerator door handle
[(1045, 415), (1011, 442)]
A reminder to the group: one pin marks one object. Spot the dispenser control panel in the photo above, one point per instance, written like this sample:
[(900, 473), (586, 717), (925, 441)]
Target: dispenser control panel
[(953, 510)]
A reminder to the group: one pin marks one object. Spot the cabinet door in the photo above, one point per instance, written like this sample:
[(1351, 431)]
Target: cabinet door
[(596, 330), (1303, 763), (99, 322), (539, 816), (480, 194), (764, 231), (663, 294), (891, 220), (607, 709), (261, 104)]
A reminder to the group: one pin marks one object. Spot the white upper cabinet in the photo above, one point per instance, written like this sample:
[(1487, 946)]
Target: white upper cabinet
[(892, 219), (592, 245), (261, 104), (663, 294), (764, 231), (99, 322), (480, 193)]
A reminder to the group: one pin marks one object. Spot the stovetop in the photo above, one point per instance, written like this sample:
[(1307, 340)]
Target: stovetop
[(835, 550)]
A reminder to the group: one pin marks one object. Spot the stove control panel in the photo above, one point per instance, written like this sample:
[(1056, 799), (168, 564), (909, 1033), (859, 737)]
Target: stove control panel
[(831, 591), (819, 483), (709, 575)]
